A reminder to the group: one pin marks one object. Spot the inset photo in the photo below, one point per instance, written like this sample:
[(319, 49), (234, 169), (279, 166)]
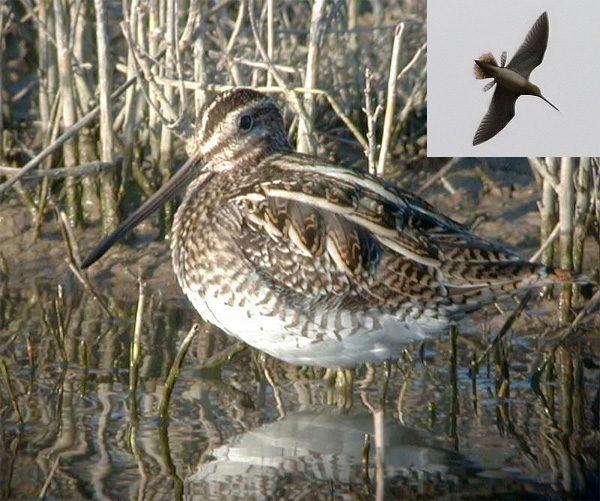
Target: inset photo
[(513, 79)]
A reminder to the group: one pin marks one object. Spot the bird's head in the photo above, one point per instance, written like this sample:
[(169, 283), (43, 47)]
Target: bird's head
[(234, 124)]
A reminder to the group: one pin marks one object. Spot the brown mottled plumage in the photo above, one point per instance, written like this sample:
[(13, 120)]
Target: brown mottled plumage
[(313, 262)]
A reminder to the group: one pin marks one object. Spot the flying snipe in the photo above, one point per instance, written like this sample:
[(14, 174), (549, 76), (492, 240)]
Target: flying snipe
[(513, 80), (312, 262)]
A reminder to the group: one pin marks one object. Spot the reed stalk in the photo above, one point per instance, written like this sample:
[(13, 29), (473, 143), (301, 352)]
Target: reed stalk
[(372, 116), (69, 113), (166, 159), (390, 107), (548, 215), (47, 100), (582, 216), (85, 84), (566, 204), (132, 99), (138, 109), (199, 61), (152, 48), (305, 127), (270, 36), (110, 216), (352, 24), (2, 73), (234, 69)]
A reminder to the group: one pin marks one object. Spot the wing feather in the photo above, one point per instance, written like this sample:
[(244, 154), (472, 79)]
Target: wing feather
[(532, 50), (500, 112), (345, 234)]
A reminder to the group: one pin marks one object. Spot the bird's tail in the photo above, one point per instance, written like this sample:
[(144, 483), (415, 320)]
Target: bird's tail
[(486, 58), (560, 276), (484, 283)]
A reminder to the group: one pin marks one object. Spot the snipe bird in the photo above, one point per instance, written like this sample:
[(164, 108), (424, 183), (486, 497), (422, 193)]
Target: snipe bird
[(313, 262), (512, 80)]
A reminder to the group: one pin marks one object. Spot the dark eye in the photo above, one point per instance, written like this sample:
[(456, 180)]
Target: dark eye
[(245, 122)]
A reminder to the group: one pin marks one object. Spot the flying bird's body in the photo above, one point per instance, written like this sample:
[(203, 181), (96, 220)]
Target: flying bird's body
[(509, 79), (512, 80)]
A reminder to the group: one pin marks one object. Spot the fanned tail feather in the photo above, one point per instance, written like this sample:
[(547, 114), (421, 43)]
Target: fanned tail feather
[(485, 58)]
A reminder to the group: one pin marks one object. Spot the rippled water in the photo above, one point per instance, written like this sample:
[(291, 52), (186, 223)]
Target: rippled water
[(258, 429)]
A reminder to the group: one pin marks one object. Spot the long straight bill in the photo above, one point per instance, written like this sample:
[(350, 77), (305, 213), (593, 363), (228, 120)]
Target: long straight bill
[(162, 196), (549, 103)]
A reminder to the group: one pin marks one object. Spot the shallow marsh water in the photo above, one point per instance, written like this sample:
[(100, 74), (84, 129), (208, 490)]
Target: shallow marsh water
[(258, 429)]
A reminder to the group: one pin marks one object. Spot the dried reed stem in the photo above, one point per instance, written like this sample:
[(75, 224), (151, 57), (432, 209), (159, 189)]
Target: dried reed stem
[(194, 19), (69, 113), (110, 216), (199, 62), (372, 115), (233, 67), (60, 173), (85, 78), (566, 205), (438, 175), (548, 213), (254, 64), (545, 171), (133, 104), (305, 127), (270, 38), (390, 106), (49, 99), (352, 24), (547, 243), (151, 47), (166, 137), (582, 215), (2, 73)]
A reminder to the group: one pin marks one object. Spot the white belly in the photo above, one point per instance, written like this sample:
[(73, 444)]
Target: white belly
[(329, 339)]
